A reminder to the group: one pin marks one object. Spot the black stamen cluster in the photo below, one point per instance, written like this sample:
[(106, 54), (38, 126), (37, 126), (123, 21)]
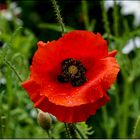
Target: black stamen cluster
[(76, 79)]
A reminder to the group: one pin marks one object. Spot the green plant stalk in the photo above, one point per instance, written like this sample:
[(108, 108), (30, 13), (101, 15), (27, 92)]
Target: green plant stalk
[(48, 133), (105, 18), (72, 134), (125, 105), (9, 91), (54, 26), (105, 118), (13, 69), (85, 13), (58, 15), (116, 20), (118, 118), (1, 131), (72, 131), (78, 131), (67, 131), (136, 133)]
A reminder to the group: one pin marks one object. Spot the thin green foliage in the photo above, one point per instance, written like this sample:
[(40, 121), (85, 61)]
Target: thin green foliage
[(85, 13), (116, 19), (84, 130), (58, 15), (55, 27), (105, 19), (67, 130), (13, 68), (136, 133)]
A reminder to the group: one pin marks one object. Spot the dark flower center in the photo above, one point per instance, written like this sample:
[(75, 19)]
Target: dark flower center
[(72, 71)]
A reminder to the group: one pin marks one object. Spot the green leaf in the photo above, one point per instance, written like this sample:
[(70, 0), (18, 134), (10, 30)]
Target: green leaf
[(137, 129), (85, 129), (55, 27)]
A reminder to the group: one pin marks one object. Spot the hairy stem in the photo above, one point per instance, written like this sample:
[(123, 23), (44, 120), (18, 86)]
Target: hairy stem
[(78, 131), (13, 69), (58, 15), (124, 120), (67, 130), (115, 16), (105, 18)]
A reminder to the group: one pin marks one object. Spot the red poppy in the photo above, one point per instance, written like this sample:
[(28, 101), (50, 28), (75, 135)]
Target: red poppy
[(69, 77)]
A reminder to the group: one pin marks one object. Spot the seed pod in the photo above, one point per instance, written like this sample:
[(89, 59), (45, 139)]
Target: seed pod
[(44, 120)]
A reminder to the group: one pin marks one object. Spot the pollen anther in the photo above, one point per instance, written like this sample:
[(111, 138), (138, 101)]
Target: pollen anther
[(72, 71)]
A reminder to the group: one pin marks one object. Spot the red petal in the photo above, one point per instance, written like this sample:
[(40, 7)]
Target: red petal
[(63, 113), (113, 53), (81, 44), (67, 103), (76, 44), (45, 63), (111, 70), (33, 89), (101, 76), (72, 114), (66, 95)]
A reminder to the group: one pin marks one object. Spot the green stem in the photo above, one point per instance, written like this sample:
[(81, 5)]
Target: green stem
[(58, 15), (106, 120), (115, 16), (72, 131), (136, 133), (67, 131), (1, 135), (78, 131), (105, 19), (124, 120), (13, 69), (48, 133), (1, 131), (10, 92), (85, 13)]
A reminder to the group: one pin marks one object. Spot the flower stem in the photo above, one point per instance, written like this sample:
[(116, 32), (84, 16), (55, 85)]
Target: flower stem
[(1, 131), (48, 133), (72, 131), (58, 15), (13, 69), (136, 133), (115, 16), (67, 130), (85, 13), (124, 120), (78, 131), (105, 20)]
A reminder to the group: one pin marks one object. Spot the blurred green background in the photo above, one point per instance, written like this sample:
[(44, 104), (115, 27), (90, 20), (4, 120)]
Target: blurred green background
[(23, 23)]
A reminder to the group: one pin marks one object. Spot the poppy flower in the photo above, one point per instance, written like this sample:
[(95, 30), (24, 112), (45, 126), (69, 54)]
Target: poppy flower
[(69, 76)]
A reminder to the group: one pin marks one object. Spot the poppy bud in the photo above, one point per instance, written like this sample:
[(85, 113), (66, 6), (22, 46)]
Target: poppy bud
[(44, 120)]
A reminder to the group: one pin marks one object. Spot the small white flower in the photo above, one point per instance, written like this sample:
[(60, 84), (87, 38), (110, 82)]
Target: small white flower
[(128, 7), (17, 11), (33, 113), (7, 15), (13, 5), (132, 43), (2, 81)]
